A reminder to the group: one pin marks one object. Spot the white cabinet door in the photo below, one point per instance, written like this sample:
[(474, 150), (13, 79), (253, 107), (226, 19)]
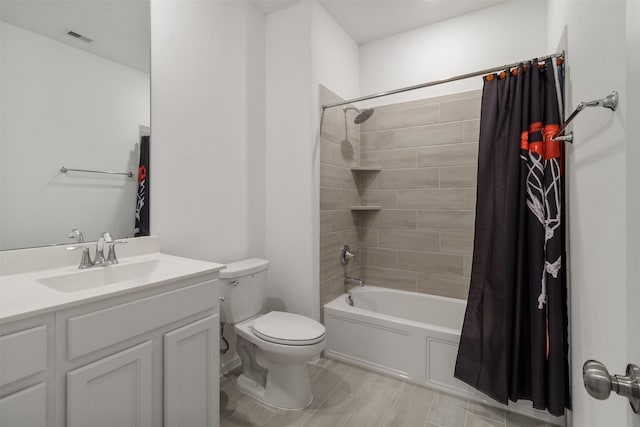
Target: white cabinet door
[(25, 408), (114, 391), (191, 359)]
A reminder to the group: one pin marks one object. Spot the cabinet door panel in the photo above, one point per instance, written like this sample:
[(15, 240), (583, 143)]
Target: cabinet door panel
[(25, 408), (22, 354), (114, 391), (191, 376)]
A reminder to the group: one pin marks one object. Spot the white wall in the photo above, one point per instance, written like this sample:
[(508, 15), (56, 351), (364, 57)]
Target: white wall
[(305, 47), (208, 190), (480, 40), (63, 106), (597, 196)]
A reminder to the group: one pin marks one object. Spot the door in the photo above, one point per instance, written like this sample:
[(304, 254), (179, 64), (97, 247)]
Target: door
[(114, 391), (633, 190), (191, 359)]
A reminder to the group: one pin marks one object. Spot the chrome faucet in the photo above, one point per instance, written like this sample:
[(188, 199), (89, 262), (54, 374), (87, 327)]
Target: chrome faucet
[(76, 234), (356, 281), (99, 258)]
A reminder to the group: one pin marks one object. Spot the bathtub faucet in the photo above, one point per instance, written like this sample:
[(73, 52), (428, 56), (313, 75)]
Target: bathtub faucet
[(348, 280)]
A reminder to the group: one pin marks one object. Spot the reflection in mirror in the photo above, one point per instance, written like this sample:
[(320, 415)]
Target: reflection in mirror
[(78, 100)]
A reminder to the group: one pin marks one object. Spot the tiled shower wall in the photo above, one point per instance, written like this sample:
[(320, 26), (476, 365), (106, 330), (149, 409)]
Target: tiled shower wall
[(422, 239), (339, 151)]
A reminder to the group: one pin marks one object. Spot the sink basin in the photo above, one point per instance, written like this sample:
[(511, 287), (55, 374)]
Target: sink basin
[(134, 273)]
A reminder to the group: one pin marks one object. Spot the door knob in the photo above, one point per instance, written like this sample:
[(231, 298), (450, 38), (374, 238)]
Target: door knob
[(599, 383)]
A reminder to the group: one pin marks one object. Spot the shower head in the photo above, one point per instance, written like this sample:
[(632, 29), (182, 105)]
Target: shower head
[(362, 116)]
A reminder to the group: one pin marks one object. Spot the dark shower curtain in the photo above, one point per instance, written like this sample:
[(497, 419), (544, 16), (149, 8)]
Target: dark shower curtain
[(142, 202), (514, 338)]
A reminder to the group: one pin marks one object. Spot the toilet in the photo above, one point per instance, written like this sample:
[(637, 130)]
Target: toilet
[(275, 346)]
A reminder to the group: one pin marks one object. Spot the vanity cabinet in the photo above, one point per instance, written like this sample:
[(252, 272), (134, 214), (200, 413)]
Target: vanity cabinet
[(142, 358), (148, 359), (113, 391), (26, 372)]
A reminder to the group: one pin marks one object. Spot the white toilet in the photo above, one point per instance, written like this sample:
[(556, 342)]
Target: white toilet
[(274, 347)]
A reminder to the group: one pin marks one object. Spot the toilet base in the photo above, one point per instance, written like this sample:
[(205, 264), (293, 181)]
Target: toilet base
[(288, 387)]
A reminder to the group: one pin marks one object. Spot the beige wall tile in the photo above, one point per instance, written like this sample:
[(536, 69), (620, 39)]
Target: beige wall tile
[(402, 116), (444, 285), (331, 289), (325, 222), (448, 155), (338, 154), (456, 243), (386, 198), (332, 131), (462, 221), (409, 178), (391, 159), (390, 278), (471, 132), (368, 239), (330, 267), (343, 220), (470, 199), (427, 241), (375, 141), (370, 125), (438, 134), (468, 261), (384, 258), (458, 176), (336, 199), (461, 109), (336, 177), (399, 219), (334, 114), (430, 263), (366, 180), (431, 199)]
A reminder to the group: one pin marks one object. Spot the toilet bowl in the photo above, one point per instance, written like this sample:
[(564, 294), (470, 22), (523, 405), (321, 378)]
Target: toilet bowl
[(275, 346)]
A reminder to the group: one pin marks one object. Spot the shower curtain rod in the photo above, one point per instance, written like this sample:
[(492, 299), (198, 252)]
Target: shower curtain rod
[(436, 82)]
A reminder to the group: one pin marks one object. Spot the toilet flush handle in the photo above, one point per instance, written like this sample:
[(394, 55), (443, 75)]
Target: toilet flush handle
[(233, 283)]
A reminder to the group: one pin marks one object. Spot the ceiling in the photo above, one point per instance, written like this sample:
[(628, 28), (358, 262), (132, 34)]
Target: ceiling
[(367, 20), (120, 29)]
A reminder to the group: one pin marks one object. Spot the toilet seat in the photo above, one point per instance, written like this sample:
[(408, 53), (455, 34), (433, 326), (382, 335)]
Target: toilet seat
[(288, 329)]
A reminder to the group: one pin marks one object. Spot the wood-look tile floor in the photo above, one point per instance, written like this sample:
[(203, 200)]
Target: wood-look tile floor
[(348, 396)]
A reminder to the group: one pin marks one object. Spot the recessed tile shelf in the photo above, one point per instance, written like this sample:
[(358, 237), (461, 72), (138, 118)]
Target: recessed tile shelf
[(366, 169), (365, 208)]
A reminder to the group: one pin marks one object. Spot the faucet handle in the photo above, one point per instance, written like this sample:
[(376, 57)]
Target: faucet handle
[(111, 255), (346, 255), (85, 261)]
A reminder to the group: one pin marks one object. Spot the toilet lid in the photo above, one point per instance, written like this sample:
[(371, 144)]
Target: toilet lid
[(288, 328)]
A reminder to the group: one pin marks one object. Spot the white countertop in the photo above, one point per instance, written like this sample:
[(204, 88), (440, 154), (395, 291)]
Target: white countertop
[(29, 293)]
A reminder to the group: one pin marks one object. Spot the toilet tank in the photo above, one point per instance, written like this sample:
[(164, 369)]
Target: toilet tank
[(242, 286)]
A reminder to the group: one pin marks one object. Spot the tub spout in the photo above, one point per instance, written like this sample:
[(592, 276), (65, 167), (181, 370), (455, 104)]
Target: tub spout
[(348, 280)]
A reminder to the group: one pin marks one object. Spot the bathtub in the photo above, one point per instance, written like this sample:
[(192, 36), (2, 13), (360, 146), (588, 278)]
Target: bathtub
[(403, 334), (406, 335)]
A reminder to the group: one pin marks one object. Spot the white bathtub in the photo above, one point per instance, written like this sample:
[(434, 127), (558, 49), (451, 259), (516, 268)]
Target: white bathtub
[(403, 334), (406, 335)]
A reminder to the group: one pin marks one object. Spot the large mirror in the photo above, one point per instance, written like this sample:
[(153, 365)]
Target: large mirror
[(75, 93)]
